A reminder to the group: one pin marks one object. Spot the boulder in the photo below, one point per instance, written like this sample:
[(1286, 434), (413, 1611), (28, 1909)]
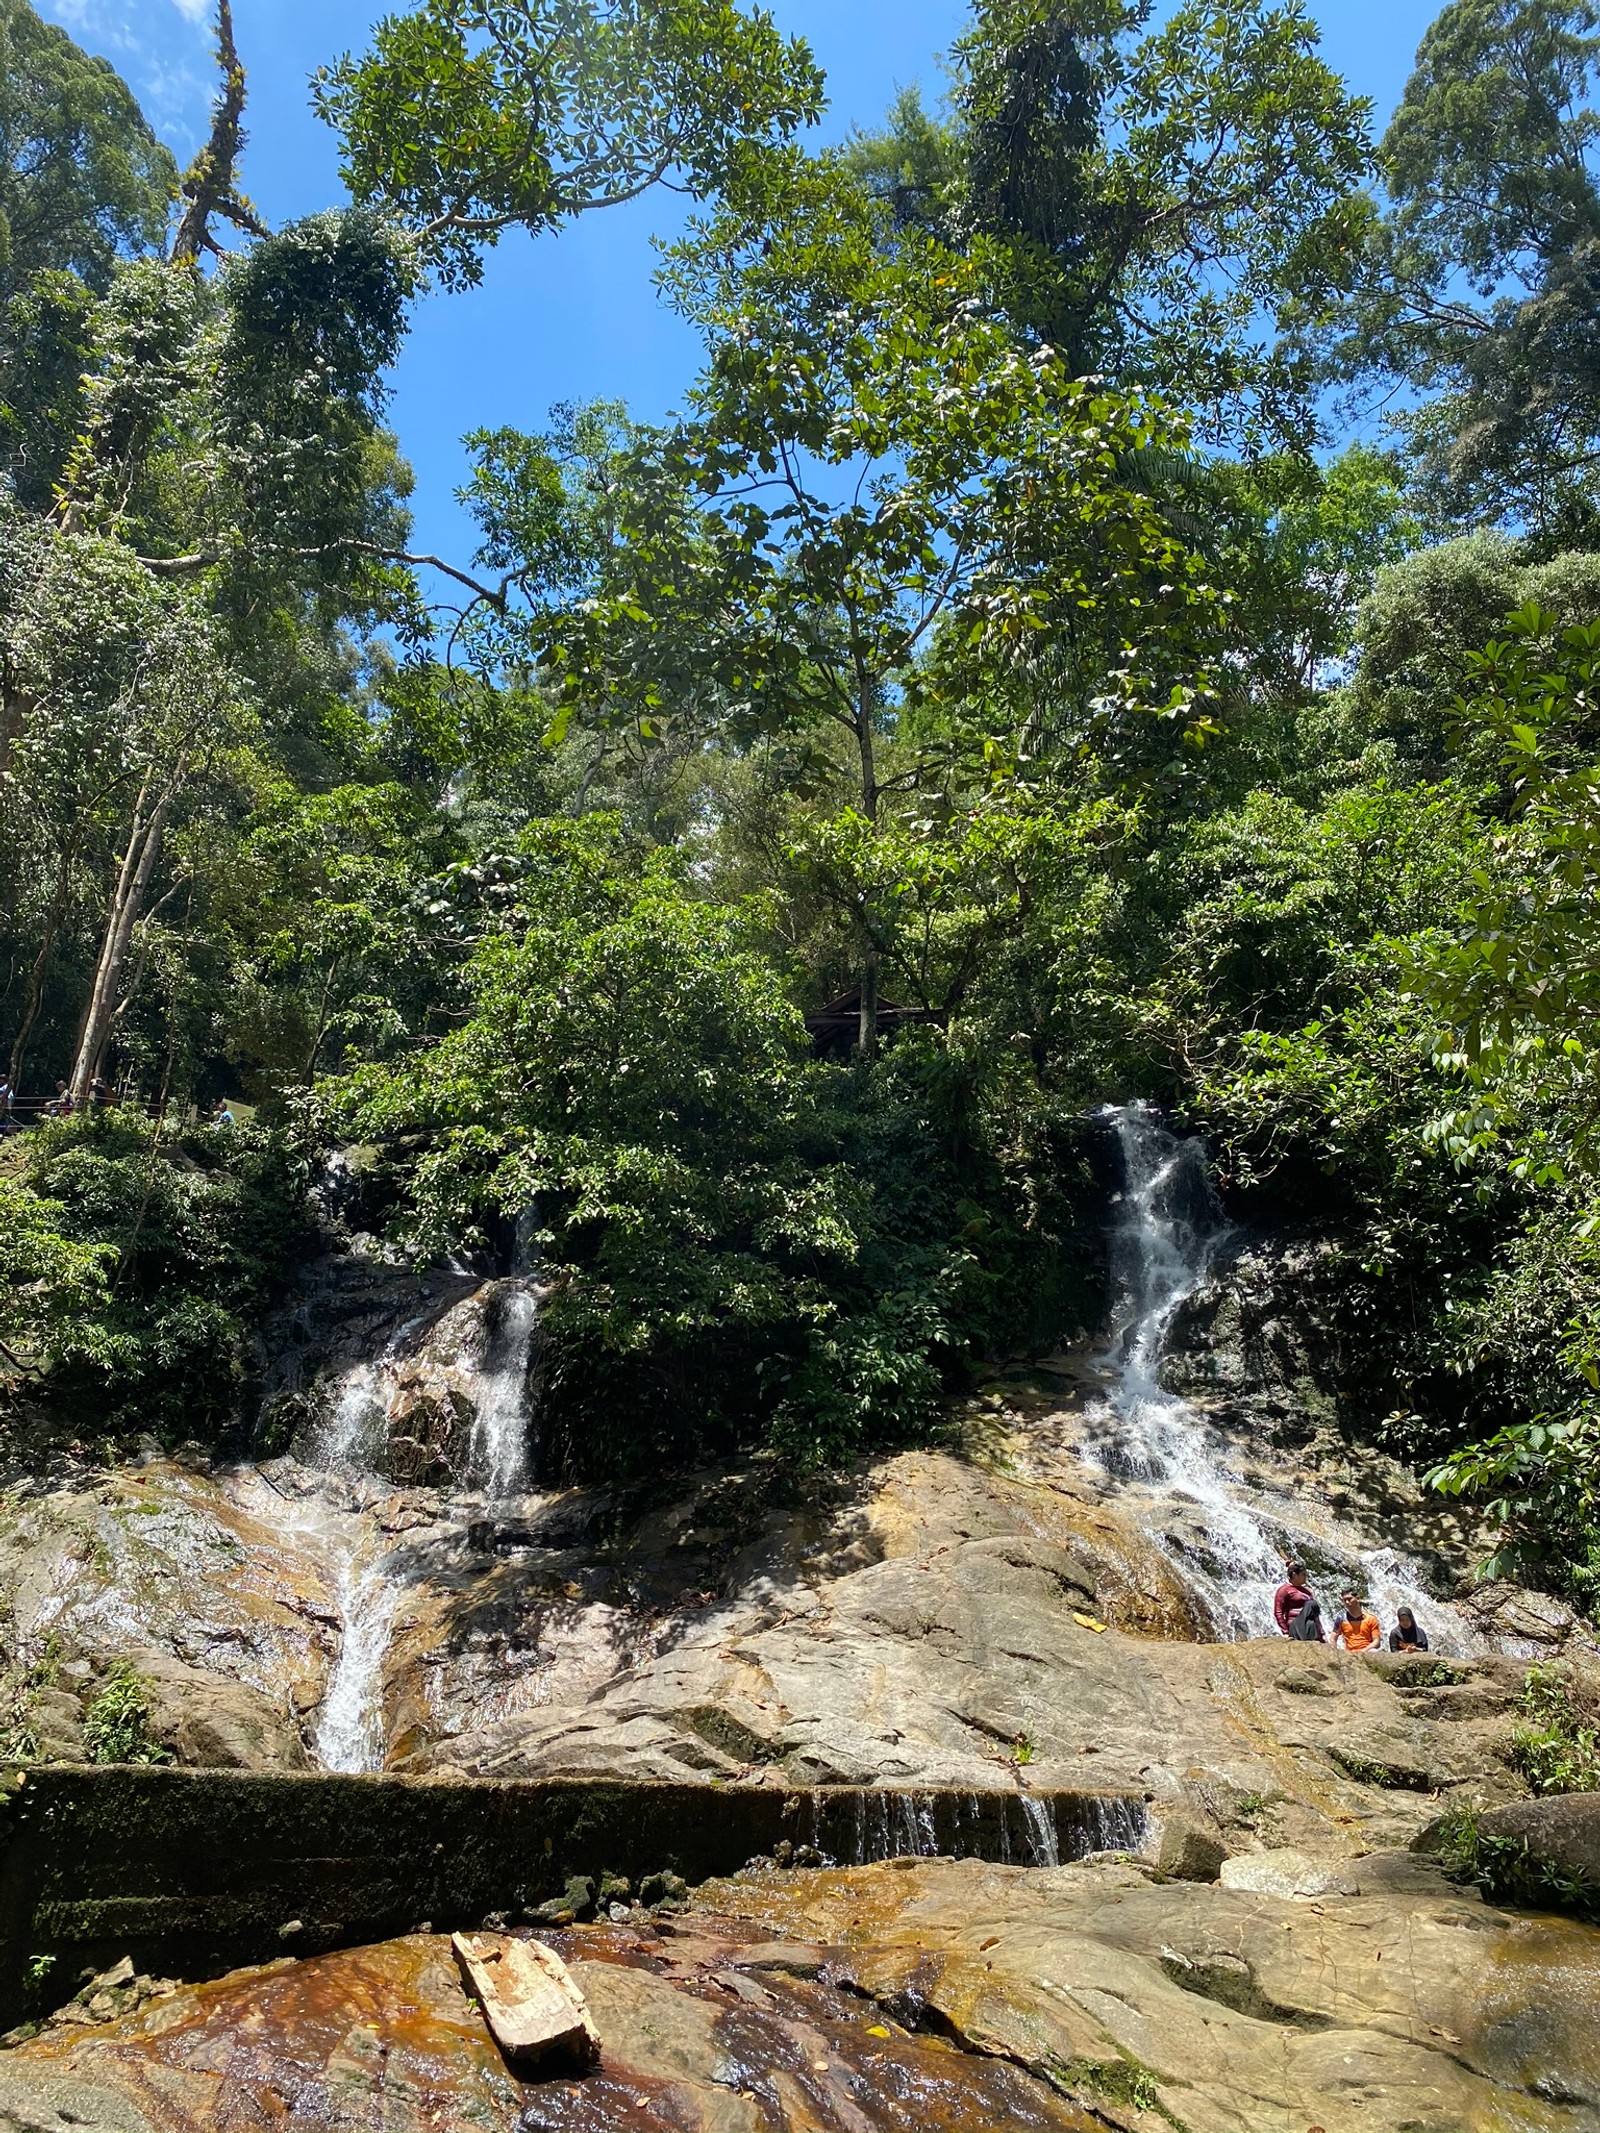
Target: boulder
[(1563, 1833), (1287, 1873), (55, 1718), (1189, 1849)]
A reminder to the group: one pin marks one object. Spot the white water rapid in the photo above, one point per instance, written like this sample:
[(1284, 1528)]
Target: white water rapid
[(1228, 1535)]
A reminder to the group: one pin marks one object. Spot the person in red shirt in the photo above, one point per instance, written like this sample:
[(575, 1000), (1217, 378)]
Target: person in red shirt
[(1356, 1629), (1290, 1597)]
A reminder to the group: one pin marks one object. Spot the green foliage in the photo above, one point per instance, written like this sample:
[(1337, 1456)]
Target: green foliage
[(190, 1239), (467, 119), (736, 1236), (1556, 1751), (1509, 1871), (1120, 2081), (1481, 288), (1519, 988), (48, 1281), (1154, 205), (925, 658), (83, 179), (1422, 631), (117, 1726)]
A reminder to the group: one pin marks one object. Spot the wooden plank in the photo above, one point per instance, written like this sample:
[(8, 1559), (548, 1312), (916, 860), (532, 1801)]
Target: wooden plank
[(533, 2008)]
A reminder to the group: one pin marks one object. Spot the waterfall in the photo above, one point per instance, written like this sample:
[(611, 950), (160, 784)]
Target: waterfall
[(1228, 1539), (1039, 1831), (487, 1362), (500, 1427), (349, 1733)]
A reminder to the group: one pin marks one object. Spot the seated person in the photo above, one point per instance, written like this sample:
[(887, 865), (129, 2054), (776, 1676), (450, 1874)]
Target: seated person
[(1290, 1597), (1408, 1634), (1355, 1629)]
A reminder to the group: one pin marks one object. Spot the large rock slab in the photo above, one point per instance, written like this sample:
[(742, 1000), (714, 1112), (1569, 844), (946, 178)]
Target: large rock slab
[(930, 1620), (964, 1628), (1083, 1998), (1405, 2007), (697, 2039)]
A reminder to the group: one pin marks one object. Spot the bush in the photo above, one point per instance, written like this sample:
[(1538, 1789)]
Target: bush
[(196, 1234), (1509, 1871), (1556, 1751), (740, 1240), (117, 1728)]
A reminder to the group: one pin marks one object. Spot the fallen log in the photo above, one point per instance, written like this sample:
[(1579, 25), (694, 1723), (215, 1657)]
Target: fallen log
[(534, 2010)]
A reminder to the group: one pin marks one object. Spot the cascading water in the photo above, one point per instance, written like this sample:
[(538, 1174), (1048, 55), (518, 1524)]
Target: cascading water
[(500, 1426), (349, 1733), (1229, 1539), (367, 1578)]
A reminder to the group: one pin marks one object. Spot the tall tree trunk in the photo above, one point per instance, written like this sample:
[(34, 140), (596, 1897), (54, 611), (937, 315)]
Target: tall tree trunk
[(34, 998), (133, 882), (867, 1028)]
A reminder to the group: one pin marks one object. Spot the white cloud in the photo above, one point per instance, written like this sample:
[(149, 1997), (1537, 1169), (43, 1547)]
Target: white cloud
[(162, 54)]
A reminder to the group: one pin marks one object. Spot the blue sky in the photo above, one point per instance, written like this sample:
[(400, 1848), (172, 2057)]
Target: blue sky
[(571, 317)]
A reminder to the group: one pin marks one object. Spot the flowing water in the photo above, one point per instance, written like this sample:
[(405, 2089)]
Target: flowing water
[(1229, 1536), (366, 1576), (500, 1424)]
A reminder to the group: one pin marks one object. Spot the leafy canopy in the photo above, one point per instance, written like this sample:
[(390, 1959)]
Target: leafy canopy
[(470, 117), (1156, 203), (1483, 277), (83, 180)]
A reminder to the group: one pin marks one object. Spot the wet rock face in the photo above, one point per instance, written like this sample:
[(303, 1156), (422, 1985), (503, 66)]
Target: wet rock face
[(1252, 1346), (347, 1309), (156, 1566), (975, 1623), (938, 1622), (920, 1995), (1404, 2005), (702, 2033)]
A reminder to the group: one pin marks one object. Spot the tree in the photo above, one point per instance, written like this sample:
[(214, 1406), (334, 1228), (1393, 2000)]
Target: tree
[(1154, 206), (880, 503), (468, 118), (117, 701), (1518, 988), (83, 180), (1483, 286), (84, 184), (1426, 619)]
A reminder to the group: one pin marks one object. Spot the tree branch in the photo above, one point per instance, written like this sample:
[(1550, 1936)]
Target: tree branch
[(497, 596), (208, 184)]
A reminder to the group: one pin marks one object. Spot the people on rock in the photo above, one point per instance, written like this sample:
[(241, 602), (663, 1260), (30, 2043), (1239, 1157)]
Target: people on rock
[(1306, 1624), (1357, 1630), (1290, 1597), (1298, 1614), (1408, 1634)]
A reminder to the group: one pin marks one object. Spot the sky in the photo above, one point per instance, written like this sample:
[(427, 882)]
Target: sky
[(571, 316)]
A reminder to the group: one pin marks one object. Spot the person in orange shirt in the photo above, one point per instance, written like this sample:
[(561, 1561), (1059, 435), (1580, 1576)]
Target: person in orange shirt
[(1355, 1629)]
